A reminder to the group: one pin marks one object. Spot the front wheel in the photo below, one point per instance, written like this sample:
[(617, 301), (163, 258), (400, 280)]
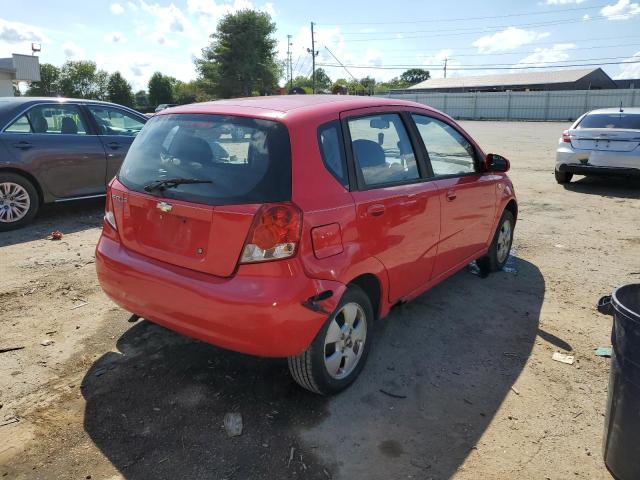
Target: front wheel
[(337, 355), (498, 253)]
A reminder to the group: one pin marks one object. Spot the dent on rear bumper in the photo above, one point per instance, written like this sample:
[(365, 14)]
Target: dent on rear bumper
[(248, 313)]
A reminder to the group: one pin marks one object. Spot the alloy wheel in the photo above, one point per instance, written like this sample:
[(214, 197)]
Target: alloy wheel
[(345, 339), (504, 241), (14, 202)]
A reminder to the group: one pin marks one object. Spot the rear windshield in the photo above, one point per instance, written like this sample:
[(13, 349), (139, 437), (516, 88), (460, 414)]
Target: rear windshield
[(246, 160), (611, 120)]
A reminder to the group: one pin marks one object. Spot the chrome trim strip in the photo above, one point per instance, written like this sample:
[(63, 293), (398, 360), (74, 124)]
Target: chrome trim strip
[(86, 197)]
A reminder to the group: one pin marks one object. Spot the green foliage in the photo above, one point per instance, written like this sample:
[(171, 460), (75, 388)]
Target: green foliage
[(414, 76), (241, 58), (189, 92), (323, 82), (120, 90), (141, 100), (48, 86), (82, 79), (160, 89)]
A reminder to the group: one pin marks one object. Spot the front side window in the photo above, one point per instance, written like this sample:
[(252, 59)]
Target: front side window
[(382, 150), (113, 121), (50, 119), (449, 152), (243, 160), (331, 148)]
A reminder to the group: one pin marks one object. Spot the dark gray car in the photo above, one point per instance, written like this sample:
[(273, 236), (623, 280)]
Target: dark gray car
[(59, 149)]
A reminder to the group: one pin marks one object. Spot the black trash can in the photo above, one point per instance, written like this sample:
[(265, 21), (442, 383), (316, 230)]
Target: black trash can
[(621, 447)]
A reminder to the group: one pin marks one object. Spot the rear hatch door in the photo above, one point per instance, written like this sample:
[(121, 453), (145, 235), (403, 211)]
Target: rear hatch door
[(245, 162)]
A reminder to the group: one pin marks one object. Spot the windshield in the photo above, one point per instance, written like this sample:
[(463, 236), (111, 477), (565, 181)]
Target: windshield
[(611, 120), (237, 159)]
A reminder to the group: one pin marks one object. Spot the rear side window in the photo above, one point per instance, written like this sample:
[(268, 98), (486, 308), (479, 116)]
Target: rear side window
[(246, 160), (382, 150), (611, 120), (331, 148), (51, 119)]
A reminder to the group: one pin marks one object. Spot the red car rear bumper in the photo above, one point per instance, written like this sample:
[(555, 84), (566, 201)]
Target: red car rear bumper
[(258, 311)]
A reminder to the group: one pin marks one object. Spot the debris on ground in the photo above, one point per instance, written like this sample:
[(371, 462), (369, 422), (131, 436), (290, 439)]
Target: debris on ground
[(10, 349), (46, 343), (56, 235), (603, 352), (563, 358), (515, 390), (83, 304), (392, 395), (233, 424), (290, 456), (9, 421)]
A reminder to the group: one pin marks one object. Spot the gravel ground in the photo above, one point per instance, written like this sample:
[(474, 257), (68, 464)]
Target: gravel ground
[(91, 394)]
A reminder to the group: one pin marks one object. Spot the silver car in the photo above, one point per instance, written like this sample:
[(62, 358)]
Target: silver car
[(604, 141)]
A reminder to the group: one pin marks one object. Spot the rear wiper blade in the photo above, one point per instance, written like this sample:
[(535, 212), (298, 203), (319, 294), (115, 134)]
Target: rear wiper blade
[(172, 183)]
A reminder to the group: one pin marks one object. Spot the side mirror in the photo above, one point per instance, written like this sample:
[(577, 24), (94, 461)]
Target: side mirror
[(497, 163)]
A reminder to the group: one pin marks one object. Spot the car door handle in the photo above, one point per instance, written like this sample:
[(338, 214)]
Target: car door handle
[(23, 145), (376, 210), (114, 145), (451, 195)]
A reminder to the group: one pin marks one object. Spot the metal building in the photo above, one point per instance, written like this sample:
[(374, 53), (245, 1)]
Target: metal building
[(17, 68), (577, 79)]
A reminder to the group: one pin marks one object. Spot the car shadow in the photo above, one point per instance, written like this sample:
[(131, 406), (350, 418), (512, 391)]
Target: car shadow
[(67, 217), (440, 368), (606, 186)]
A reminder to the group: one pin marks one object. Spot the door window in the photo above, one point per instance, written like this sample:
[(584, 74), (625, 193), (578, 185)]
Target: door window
[(449, 152), (382, 150), (53, 119), (331, 148), (113, 121)]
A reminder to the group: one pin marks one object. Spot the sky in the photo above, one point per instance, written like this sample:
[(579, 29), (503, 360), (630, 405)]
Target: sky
[(380, 39)]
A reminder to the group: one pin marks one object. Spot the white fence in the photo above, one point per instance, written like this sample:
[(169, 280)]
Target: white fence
[(552, 105)]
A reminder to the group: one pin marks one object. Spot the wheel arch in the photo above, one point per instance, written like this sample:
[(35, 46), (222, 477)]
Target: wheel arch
[(34, 181), (371, 285), (512, 206)]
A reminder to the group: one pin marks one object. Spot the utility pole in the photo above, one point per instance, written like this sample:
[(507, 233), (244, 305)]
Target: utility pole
[(313, 53), (289, 65), (445, 67)]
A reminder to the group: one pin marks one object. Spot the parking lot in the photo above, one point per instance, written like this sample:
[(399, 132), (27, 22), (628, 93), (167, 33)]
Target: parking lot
[(471, 388)]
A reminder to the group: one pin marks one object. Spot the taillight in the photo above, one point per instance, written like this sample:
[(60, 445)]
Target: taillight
[(109, 217), (567, 137), (274, 234)]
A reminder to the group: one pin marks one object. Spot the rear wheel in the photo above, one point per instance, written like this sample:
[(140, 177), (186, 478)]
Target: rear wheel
[(339, 351), (563, 177), (19, 201), (500, 248)]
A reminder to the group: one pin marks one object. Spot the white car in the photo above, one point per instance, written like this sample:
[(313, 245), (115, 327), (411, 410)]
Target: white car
[(604, 141)]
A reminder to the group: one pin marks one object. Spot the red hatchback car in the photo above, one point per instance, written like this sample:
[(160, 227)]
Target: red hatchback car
[(285, 226)]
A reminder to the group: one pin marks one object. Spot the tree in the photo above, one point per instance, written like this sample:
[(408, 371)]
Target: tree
[(141, 100), (48, 86), (304, 83), (241, 60), (120, 90), (323, 82), (414, 75), (82, 79), (189, 92), (160, 89)]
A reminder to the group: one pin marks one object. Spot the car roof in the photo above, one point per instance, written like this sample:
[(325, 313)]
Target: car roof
[(632, 110), (283, 106)]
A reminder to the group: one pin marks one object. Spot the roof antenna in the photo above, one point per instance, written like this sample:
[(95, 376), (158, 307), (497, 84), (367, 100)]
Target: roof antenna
[(621, 110)]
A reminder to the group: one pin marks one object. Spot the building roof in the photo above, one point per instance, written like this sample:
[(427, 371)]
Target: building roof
[(508, 79)]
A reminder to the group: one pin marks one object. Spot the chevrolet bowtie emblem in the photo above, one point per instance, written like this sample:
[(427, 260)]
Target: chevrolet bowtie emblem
[(164, 207)]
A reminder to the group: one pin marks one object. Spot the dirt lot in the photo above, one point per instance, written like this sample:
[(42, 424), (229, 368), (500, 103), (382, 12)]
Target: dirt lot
[(95, 395)]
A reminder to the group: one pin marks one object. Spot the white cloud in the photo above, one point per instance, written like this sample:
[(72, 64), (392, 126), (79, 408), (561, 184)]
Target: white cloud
[(72, 51), (212, 10), (563, 2), (438, 59), (114, 37), (116, 8), (508, 39), (586, 17), (630, 70), (620, 11), (547, 56), (16, 32)]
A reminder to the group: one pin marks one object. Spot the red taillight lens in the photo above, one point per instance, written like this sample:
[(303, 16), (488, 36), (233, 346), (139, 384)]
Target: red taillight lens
[(274, 234), (567, 137), (109, 217)]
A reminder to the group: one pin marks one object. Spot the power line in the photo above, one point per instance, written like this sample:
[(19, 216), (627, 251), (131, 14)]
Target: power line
[(487, 67), (490, 17)]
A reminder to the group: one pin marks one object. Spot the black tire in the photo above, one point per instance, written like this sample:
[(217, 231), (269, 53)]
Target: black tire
[(563, 177), (492, 261), (309, 369), (34, 201)]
